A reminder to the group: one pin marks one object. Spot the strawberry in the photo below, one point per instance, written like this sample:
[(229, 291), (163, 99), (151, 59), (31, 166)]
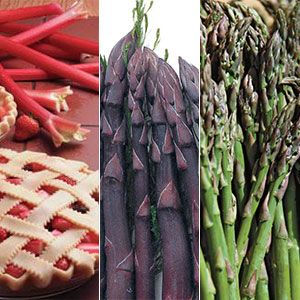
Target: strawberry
[(35, 246), (14, 271), (63, 264), (21, 211), (3, 234), (3, 160), (61, 224), (34, 167), (26, 128), (67, 179)]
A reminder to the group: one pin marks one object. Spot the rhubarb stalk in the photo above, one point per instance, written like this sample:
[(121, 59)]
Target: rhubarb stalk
[(62, 40), (38, 32), (61, 130), (49, 64), (118, 248), (54, 99), (56, 52), (38, 74), (30, 12)]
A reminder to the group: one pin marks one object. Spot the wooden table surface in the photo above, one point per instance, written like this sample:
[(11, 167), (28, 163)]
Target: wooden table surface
[(84, 108)]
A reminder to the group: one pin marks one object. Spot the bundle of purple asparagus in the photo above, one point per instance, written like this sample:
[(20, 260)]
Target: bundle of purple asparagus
[(150, 181)]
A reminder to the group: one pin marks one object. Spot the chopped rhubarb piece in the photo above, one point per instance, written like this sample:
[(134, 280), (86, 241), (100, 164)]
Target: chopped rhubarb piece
[(92, 248), (34, 167), (67, 179), (45, 29), (35, 247), (21, 211), (14, 271), (3, 234), (38, 74), (62, 40), (60, 129), (54, 100), (61, 224), (63, 264), (48, 64), (30, 12), (91, 237), (3, 160)]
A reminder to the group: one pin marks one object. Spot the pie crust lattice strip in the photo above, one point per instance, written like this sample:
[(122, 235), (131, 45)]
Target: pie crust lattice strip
[(49, 219)]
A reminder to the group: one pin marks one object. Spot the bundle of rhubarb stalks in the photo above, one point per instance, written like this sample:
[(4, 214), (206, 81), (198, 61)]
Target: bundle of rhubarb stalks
[(250, 148), (55, 55), (149, 173)]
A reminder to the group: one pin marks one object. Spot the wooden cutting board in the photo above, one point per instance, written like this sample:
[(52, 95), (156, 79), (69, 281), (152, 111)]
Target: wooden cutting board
[(92, 6)]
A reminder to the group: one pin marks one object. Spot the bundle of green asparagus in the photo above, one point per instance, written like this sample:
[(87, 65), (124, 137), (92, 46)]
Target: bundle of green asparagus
[(150, 182), (249, 151)]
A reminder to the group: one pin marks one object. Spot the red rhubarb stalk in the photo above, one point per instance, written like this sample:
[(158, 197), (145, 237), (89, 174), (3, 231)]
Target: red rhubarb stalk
[(54, 99), (61, 130), (43, 30), (30, 12), (62, 40), (49, 64), (56, 52), (38, 74)]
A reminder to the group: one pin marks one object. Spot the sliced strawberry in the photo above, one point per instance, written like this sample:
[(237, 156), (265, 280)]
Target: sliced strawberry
[(67, 179), (14, 271), (61, 224), (3, 234), (21, 211), (91, 237), (34, 167), (92, 248), (3, 160), (35, 246), (63, 264)]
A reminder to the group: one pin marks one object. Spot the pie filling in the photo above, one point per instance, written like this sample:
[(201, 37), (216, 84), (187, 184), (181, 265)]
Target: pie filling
[(48, 218)]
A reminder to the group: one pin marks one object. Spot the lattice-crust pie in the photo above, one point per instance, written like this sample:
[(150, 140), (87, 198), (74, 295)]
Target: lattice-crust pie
[(8, 111), (49, 219)]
